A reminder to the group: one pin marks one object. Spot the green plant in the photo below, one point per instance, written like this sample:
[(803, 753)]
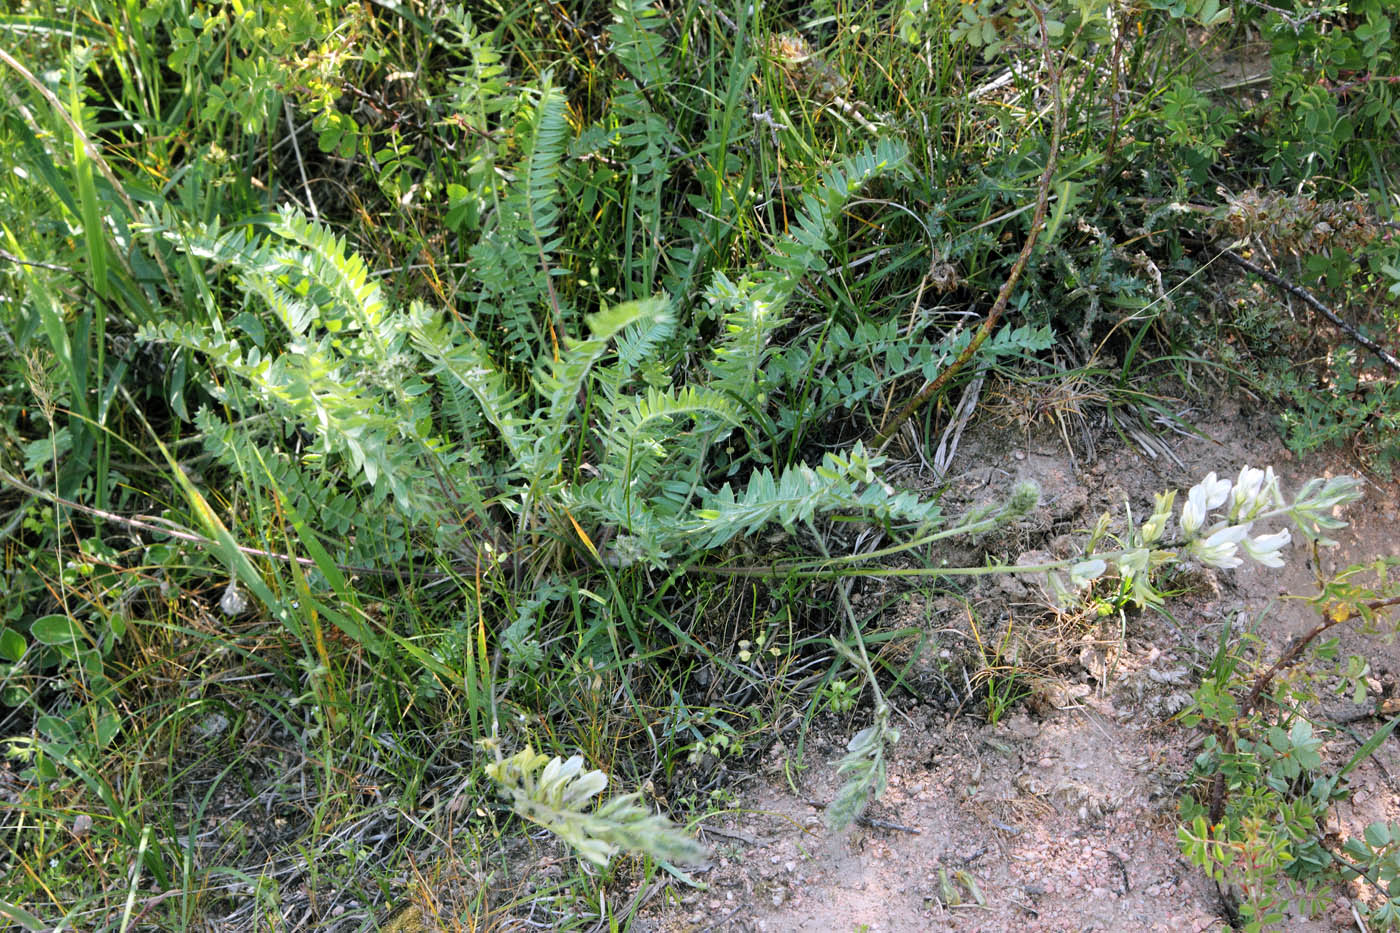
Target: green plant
[(647, 280), (556, 794), (1257, 821), (840, 696)]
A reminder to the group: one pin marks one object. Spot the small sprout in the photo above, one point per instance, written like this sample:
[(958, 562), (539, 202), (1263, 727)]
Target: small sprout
[(840, 696), (1024, 498)]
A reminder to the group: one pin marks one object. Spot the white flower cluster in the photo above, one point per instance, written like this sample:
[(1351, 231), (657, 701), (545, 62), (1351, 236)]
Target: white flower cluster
[(1252, 498), (1253, 494)]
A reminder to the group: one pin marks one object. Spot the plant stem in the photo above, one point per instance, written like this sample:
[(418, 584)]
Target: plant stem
[(1308, 299), (1004, 295)]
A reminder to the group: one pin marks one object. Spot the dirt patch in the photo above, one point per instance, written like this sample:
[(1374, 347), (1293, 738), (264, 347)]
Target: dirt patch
[(1062, 815)]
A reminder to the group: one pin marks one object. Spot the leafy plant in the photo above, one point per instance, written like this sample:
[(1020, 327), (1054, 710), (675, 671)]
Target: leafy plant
[(1257, 822), (556, 794), (429, 373)]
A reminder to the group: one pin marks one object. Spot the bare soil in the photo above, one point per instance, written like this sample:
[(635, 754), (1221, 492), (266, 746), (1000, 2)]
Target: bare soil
[(1062, 814)]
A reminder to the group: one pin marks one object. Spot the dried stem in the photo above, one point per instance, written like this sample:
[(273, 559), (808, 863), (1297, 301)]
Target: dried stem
[(1037, 222), (1307, 297)]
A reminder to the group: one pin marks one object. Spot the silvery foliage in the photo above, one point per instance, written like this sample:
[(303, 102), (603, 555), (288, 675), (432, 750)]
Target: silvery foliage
[(560, 796), (1216, 525)]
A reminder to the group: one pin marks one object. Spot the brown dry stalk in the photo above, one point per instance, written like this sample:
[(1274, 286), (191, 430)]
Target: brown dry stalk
[(1261, 683), (1004, 295)]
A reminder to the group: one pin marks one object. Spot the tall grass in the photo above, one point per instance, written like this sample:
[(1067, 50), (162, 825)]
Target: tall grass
[(389, 390)]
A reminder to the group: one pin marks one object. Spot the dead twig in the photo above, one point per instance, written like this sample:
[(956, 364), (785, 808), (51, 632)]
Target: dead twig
[(1308, 299), (1004, 295)]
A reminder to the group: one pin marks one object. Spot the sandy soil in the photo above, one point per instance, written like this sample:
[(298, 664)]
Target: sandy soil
[(1061, 816)]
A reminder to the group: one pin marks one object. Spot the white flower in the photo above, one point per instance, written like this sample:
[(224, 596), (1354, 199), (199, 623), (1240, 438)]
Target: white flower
[(1086, 572), (1209, 493), (1246, 490), (1220, 549), (1255, 491), (1265, 548)]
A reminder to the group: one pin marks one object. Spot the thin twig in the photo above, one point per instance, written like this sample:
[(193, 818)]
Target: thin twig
[(1017, 267), (886, 824), (157, 525), (1308, 299), (301, 165), (1261, 683)]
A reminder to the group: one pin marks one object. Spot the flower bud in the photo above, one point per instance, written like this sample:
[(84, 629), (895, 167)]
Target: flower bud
[(1153, 528)]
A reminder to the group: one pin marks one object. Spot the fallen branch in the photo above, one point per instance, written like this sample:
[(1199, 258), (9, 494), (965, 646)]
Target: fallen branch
[(1004, 295), (1308, 299)]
